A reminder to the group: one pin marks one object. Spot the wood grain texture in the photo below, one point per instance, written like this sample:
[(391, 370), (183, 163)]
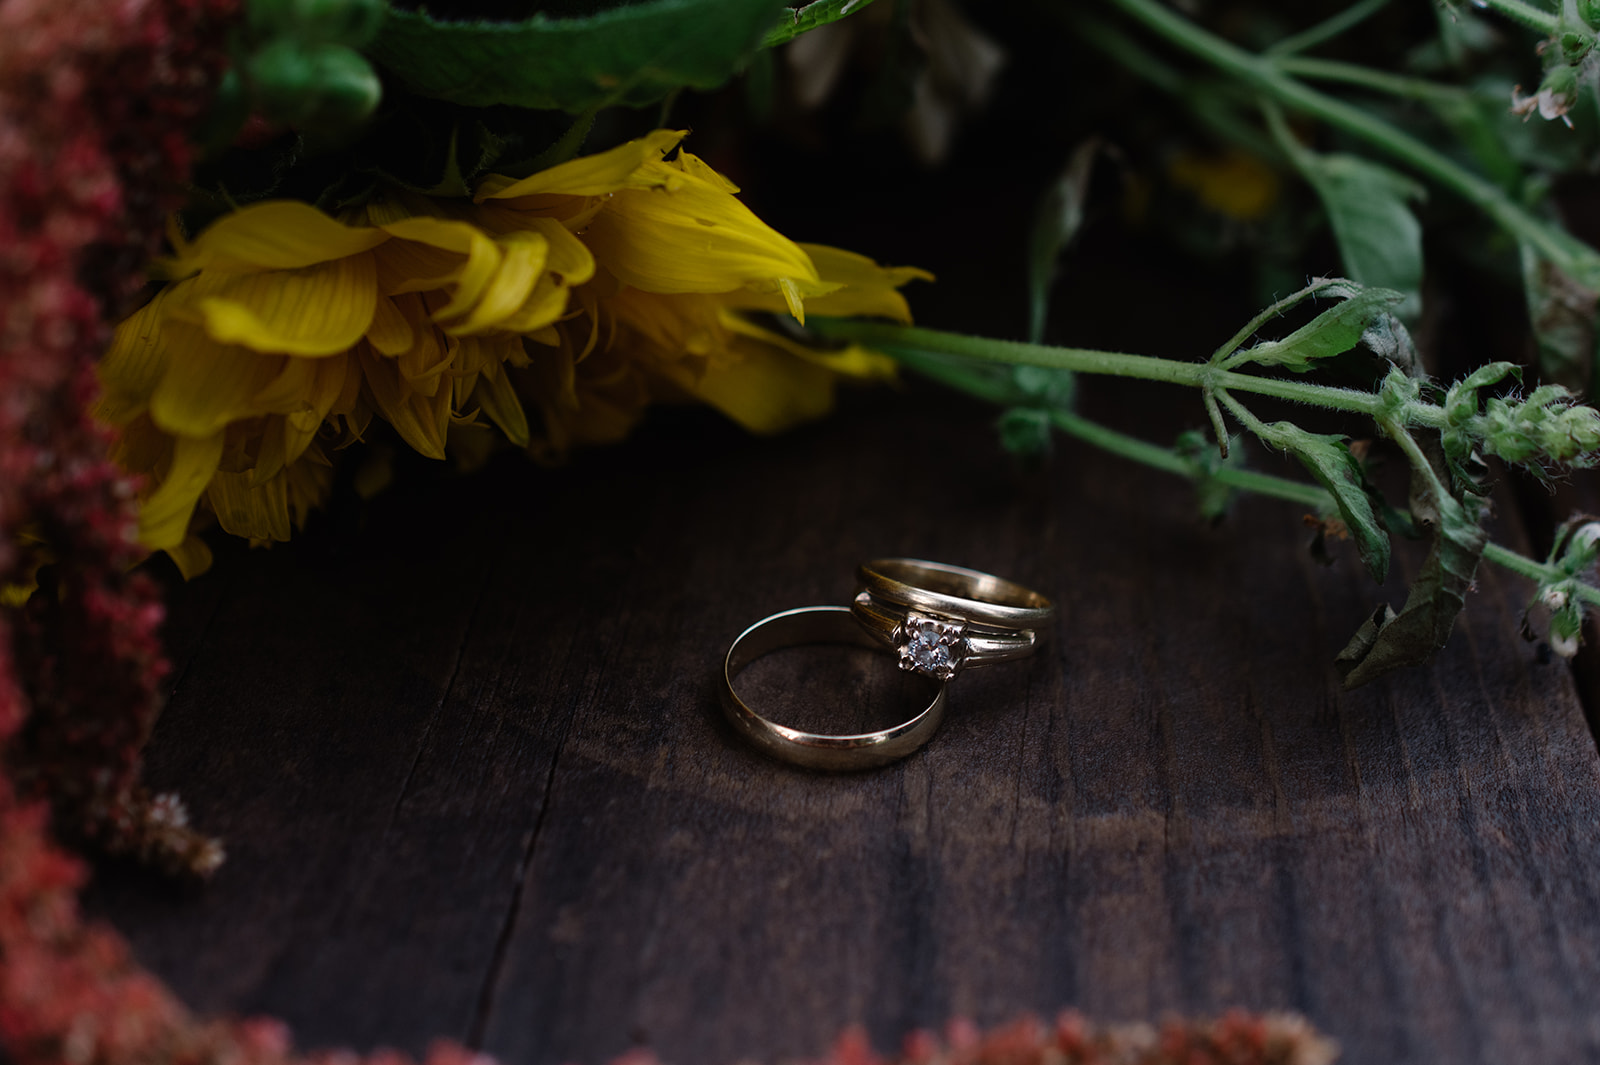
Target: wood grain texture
[(474, 781)]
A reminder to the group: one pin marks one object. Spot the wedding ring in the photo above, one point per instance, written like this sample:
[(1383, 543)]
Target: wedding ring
[(938, 647), (968, 595), (812, 625)]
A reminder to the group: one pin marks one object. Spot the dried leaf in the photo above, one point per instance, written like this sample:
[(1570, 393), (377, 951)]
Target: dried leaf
[(1563, 315), (1388, 641)]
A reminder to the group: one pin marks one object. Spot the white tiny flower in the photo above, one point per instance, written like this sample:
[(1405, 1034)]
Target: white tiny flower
[(1588, 535), (1550, 104), (1565, 646), (1554, 599)]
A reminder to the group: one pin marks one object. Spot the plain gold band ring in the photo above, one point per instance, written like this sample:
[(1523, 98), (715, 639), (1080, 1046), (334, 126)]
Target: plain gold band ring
[(813, 625)]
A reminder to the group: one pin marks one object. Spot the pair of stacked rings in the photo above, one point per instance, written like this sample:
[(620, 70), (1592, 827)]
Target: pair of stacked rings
[(939, 619)]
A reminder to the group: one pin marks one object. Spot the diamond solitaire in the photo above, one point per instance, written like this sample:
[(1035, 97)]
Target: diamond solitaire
[(932, 646)]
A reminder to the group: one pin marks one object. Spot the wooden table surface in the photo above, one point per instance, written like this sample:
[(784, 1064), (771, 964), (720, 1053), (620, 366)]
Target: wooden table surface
[(473, 780)]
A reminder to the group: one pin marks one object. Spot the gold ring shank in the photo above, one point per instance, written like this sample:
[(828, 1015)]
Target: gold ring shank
[(813, 625), (952, 591)]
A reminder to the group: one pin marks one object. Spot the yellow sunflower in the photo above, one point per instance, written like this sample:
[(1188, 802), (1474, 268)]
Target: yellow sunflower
[(586, 291)]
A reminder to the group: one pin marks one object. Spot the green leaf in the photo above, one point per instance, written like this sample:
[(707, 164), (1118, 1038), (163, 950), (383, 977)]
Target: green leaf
[(1563, 315), (1387, 641), (1333, 332), (1329, 460), (629, 56), (1056, 221), (1213, 495), (1380, 239), (1026, 431), (803, 19)]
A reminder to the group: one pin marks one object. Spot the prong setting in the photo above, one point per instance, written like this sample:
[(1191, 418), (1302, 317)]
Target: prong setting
[(933, 646)]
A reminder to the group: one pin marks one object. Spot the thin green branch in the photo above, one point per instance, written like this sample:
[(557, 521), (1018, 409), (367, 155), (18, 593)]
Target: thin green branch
[(1248, 419), (1367, 78), (1327, 30), (899, 340), (1413, 451), (988, 381), (1262, 73), (1264, 317), (1265, 484), (1534, 18), (1226, 121), (1169, 461)]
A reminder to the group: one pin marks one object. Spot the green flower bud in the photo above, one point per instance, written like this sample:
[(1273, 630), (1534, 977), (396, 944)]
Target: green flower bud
[(1566, 629), (314, 86), (1574, 46), (1398, 390), (1558, 91), (348, 86), (1589, 11), (1026, 431), (282, 75)]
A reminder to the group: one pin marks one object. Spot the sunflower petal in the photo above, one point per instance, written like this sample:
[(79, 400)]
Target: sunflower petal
[(568, 258), (257, 511), (164, 514), (317, 310), (276, 235), (499, 401), (300, 426), (192, 557), (695, 238), (868, 290), (765, 390), (521, 267), (590, 175), (851, 361), (543, 308), (413, 416), (133, 364), (477, 259), (390, 332), (208, 384)]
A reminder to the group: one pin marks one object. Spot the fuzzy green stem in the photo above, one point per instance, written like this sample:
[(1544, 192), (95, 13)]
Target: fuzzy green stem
[(1263, 74), (1413, 452), (899, 340), (1216, 114), (1367, 78), (987, 385), (1265, 484), (1266, 316), (1532, 17), (1248, 419), (1169, 461)]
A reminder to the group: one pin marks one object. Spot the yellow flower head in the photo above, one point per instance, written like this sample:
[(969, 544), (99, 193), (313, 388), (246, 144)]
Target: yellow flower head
[(588, 289)]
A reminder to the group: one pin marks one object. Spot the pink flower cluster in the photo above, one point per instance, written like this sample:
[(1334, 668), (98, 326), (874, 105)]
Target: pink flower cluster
[(1235, 1038), (96, 103)]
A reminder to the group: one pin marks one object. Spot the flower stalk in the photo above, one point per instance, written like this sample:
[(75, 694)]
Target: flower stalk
[(896, 339), (976, 365), (1270, 76)]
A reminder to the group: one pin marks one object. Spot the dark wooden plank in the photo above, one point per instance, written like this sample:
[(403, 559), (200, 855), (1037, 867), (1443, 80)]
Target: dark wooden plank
[(475, 783)]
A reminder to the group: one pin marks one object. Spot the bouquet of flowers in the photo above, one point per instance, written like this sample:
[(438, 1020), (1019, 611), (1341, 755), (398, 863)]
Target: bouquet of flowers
[(252, 247)]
